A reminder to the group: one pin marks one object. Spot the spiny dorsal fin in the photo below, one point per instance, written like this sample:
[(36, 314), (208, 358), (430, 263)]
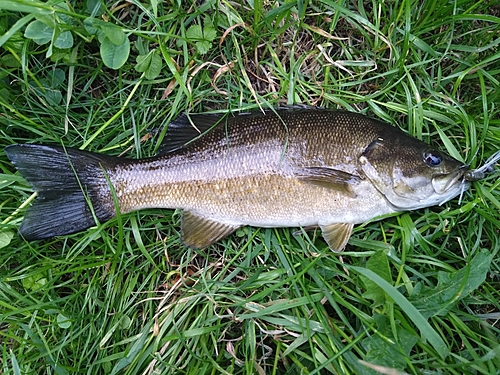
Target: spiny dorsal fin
[(336, 235), (198, 231), (330, 178), (186, 128)]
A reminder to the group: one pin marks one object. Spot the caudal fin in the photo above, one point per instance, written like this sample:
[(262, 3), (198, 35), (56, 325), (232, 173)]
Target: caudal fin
[(68, 183)]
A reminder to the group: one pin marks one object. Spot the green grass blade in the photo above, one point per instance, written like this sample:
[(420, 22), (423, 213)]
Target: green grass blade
[(422, 324)]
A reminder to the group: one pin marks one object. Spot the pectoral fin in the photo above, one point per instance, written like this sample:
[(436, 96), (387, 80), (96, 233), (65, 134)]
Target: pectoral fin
[(336, 235), (198, 231), (330, 178)]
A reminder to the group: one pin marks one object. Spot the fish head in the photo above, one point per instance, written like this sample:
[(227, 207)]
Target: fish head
[(412, 175)]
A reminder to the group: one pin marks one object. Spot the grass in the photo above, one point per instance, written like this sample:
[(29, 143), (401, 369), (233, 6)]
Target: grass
[(415, 293)]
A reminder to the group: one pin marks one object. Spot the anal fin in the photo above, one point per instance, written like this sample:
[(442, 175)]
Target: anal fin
[(198, 231), (336, 235)]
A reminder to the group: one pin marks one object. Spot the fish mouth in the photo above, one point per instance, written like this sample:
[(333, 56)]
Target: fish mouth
[(444, 183)]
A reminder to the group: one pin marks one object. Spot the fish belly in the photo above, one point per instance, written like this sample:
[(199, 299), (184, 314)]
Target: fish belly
[(263, 200)]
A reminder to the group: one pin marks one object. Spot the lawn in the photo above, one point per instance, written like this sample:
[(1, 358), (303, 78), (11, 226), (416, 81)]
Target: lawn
[(415, 293)]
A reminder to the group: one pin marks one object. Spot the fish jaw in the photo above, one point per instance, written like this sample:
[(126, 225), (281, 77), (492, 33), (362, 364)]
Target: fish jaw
[(438, 191), (448, 187)]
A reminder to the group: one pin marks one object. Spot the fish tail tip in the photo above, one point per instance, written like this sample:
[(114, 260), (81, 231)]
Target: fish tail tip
[(73, 192)]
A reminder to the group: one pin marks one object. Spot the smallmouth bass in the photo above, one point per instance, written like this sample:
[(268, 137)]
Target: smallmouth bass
[(291, 167)]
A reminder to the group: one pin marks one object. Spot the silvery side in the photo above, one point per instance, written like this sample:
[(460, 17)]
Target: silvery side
[(288, 167)]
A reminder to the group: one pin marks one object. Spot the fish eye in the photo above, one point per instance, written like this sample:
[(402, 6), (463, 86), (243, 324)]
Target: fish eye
[(432, 158)]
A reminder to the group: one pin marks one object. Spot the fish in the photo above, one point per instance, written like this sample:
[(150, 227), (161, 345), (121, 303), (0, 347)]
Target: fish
[(282, 167)]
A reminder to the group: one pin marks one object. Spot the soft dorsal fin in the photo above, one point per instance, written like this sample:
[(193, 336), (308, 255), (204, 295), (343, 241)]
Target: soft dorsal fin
[(330, 178), (186, 128), (336, 235), (198, 231)]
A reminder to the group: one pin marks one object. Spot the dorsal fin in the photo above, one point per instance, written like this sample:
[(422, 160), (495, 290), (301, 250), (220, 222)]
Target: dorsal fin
[(186, 128)]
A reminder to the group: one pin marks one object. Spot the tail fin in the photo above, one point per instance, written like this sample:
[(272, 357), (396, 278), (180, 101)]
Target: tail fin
[(65, 180)]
